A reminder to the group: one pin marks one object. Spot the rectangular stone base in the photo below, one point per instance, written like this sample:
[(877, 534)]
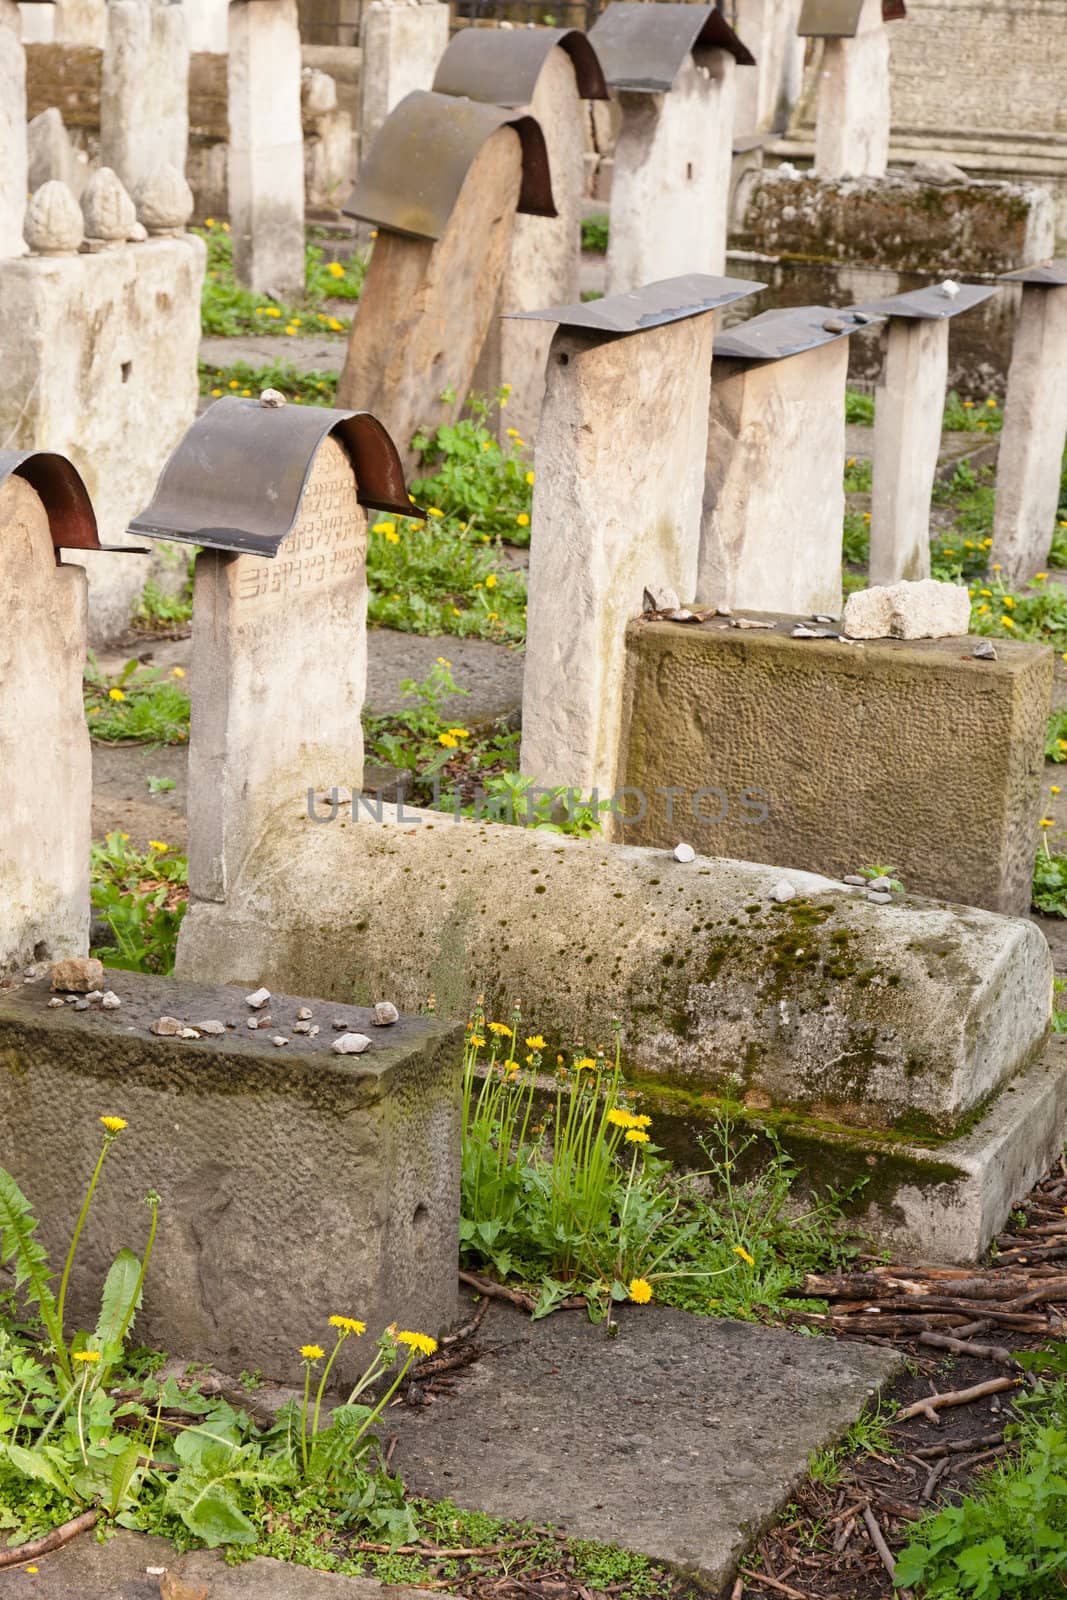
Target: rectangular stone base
[(295, 1183)]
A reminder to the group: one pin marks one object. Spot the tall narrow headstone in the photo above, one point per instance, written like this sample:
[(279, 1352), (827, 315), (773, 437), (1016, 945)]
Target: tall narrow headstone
[(672, 69), (401, 46), (266, 147), (144, 93), (773, 497), (208, 25), (279, 611), (611, 516), (908, 410), (1030, 456), (12, 130), (442, 184), (765, 98), (852, 117), (551, 73)]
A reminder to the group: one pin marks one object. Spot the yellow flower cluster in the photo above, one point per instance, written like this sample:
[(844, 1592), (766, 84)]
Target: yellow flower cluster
[(501, 1029), (348, 1325), (626, 1119), (418, 1341)]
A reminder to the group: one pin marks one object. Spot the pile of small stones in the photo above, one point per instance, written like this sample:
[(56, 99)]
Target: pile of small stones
[(347, 1044), (78, 982)]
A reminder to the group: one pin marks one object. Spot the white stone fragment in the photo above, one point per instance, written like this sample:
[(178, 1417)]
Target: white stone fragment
[(304, 1014), (167, 1027), (879, 899), (258, 999), (314, 1030), (190, 1033), (54, 225), (684, 852), (658, 597), (385, 1013), (950, 288), (252, 1023), (56, 1000), (95, 994), (279, 1040), (301, 1027), (882, 884), (927, 609), (783, 891), (110, 1000), (212, 1028), (351, 1044), (271, 399)]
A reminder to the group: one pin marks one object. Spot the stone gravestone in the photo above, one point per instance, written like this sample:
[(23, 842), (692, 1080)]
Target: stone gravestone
[(774, 503), (144, 91), (907, 423), (45, 768), (266, 147), (12, 130), (550, 72), (1030, 457), (442, 184), (672, 68), (611, 517), (852, 118), (273, 494), (765, 98), (401, 46)]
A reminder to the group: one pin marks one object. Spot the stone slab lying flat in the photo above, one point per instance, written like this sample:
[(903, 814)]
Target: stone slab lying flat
[(117, 1570), (295, 1183), (680, 1438)]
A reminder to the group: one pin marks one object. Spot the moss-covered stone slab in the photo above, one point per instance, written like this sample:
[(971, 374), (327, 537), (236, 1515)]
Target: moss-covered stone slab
[(295, 1183)]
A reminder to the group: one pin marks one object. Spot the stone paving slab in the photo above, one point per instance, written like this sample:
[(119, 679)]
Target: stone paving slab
[(681, 1438), (117, 1570)]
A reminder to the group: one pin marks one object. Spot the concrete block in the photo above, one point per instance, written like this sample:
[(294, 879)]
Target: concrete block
[(926, 609), (294, 1184), (914, 754)]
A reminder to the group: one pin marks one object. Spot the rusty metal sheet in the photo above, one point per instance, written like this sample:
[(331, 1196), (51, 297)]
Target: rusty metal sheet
[(894, 10), (641, 47), (776, 335), (501, 66), (64, 496), (670, 300), (840, 19), (235, 481), (930, 305), (412, 176), (1044, 274)]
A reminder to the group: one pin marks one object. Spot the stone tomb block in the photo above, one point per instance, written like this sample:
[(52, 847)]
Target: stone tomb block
[(294, 1183), (266, 147), (910, 753)]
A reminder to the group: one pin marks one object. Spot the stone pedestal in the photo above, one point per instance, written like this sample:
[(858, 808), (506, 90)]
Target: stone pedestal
[(45, 776), (1030, 457), (765, 97), (907, 439), (208, 25), (853, 116), (12, 130), (401, 46), (266, 150), (144, 96)]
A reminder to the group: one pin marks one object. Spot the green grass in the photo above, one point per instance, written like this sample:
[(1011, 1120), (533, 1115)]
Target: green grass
[(142, 895), (241, 378), (960, 416), (138, 705), (595, 233), (227, 309), (433, 578), (158, 609), (869, 1435)]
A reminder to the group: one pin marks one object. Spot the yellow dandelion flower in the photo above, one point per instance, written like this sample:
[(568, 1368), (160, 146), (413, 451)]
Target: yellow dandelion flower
[(640, 1291), (460, 733), (586, 1064), (209, 222), (335, 269), (1054, 788), (620, 1119), (447, 740), (513, 433), (115, 694), (177, 672), (385, 527), (456, 612), (417, 1341), (157, 844), (968, 405), (87, 1356), (529, 477), (291, 332), (272, 311), (434, 511), (348, 1325), (991, 402), (312, 1352), (983, 611), (234, 383), (1009, 622), (215, 393), (739, 1250), (851, 462), (948, 552), (523, 520), (392, 537), (335, 326), (477, 1041), (246, 393), (1009, 602), (986, 592), (490, 582), (114, 1124), (866, 516), (1039, 577), (642, 1122), (1046, 822), (501, 1029), (441, 662), (636, 1136), (535, 1042), (996, 566)]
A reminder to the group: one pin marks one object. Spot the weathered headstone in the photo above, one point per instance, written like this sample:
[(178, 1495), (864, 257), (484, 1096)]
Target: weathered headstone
[(550, 72), (1030, 457), (144, 92), (266, 147), (611, 517), (442, 184), (401, 46), (12, 130), (279, 611), (773, 497), (45, 770), (672, 68), (853, 116), (208, 25), (766, 97), (908, 410)]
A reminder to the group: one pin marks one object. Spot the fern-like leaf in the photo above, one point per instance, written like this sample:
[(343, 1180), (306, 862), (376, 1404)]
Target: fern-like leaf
[(17, 1243)]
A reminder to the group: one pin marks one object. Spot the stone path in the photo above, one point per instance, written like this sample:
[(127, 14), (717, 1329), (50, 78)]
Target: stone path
[(680, 1438)]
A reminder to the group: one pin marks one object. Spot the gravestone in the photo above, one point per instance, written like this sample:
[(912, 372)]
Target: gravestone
[(672, 69), (401, 46), (279, 658), (265, 163), (144, 92), (853, 112), (1030, 456), (442, 184), (45, 769), (12, 130), (765, 98), (908, 412), (552, 73), (610, 516), (773, 497)]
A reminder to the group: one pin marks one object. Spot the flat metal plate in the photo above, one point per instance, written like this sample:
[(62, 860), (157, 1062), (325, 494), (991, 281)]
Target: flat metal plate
[(829, 19), (1047, 274), (669, 300), (930, 305), (59, 485), (235, 481), (501, 66), (776, 335), (411, 178), (641, 47)]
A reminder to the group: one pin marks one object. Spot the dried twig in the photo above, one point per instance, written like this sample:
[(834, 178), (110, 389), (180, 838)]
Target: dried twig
[(49, 1541), (958, 1397), (878, 1540)]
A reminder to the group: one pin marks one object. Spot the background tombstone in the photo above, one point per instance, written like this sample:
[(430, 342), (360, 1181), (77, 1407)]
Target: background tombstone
[(672, 68), (266, 148), (611, 517), (45, 767), (144, 93), (908, 413), (765, 98), (853, 113), (275, 497), (774, 503), (1030, 455), (12, 130), (401, 46), (442, 184), (550, 72)]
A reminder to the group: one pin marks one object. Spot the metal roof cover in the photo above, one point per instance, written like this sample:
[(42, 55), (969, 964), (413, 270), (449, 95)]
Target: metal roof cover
[(642, 47), (776, 335), (931, 304), (58, 483), (411, 178), (1045, 274), (501, 66), (669, 300), (840, 19), (236, 480)]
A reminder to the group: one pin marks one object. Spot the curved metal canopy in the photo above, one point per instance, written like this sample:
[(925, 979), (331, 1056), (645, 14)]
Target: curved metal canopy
[(59, 485), (501, 66), (415, 169), (641, 47), (669, 300), (1045, 274), (236, 480), (790, 331)]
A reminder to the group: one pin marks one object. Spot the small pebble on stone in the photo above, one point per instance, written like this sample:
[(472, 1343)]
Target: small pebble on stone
[(190, 1033), (724, 611), (800, 632), (824, 619), (213, 1028), (351, 1044), (69, 999), (167, 1027), (252, 1023), (258, 1000), (684, 852), (81, 1005), (385, 1013), (313, 1030), (95, 994), (783, 891), (304, 1014), (77, 975), (110, 1000), (985, 650), (56, 1000), (854, 878), (301, 1027), (339, 1022), (878, 898), (883, 885), (279, 1040)]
